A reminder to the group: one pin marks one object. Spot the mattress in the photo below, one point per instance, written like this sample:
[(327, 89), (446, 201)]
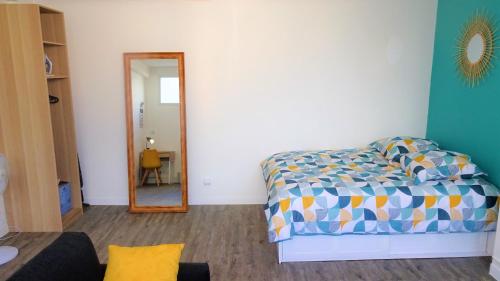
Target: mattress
[(357, 191)]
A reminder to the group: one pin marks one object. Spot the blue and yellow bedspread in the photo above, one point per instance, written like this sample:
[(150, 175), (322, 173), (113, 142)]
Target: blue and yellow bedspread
[(357, 191)]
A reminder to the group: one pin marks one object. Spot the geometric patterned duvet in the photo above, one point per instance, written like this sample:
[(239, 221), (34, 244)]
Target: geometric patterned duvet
[(357, 191)]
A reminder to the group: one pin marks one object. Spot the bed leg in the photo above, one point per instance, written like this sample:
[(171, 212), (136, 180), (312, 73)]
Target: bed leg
[(280, 252)]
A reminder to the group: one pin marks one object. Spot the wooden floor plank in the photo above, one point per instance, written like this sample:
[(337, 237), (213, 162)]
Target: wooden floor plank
[(233, 240)]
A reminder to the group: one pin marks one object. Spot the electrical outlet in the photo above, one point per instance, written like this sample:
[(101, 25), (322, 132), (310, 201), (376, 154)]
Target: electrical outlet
[(207, 182)]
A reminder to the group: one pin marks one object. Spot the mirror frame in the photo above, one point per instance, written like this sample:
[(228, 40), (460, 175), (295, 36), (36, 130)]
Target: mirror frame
[(482, 24), (133, 208)]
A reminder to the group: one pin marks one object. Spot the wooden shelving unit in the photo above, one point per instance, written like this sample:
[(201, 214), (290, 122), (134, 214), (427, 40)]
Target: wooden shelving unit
[(54, 44), (44, 132)]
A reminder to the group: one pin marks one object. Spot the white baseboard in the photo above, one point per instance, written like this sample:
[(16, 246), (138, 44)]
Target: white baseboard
[(113, 201), (495, 268), (225, 200), (124, 201)]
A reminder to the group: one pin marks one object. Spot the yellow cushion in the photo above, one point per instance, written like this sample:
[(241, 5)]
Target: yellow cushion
[(151, 263)]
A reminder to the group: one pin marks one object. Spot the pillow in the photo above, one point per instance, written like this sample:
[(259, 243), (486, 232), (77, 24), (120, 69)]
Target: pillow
[(406, 159), (438, 165), (398, 146), (152, 263), (380, 144)]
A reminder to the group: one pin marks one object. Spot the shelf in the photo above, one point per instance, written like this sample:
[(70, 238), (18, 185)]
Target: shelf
[(52, 24), (47, 10), (71, 216), (56, 76), (50, 43)]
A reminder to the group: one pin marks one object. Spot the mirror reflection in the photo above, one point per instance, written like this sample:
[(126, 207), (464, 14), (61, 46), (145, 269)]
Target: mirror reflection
[(157, 132), (475, 48)]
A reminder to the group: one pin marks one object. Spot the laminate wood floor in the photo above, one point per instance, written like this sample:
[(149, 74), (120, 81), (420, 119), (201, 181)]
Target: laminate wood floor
[(233, 240)]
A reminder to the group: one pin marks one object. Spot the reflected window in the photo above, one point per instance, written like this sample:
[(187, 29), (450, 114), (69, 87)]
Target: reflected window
[(169, 90)]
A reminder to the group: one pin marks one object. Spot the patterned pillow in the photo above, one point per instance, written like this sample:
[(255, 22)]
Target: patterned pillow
[(439, 165), (394, 148), (380, 144)]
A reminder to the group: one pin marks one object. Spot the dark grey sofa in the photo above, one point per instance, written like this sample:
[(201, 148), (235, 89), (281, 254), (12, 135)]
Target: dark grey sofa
[(72, 257)]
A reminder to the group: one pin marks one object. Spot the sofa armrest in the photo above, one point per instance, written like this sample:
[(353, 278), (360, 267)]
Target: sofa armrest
[(70, 257), (193, 272)]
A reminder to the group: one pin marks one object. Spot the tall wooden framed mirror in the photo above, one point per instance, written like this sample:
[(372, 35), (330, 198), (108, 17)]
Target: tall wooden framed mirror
[(156, 132)]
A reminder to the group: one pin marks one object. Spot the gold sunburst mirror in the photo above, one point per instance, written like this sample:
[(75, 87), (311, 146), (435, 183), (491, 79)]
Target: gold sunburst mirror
[(476, 48)]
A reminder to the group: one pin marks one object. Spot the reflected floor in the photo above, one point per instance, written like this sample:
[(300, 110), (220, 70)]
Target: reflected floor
[(164, 195)]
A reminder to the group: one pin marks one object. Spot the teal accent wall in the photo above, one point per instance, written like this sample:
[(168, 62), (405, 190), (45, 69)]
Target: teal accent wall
[(460, 118)]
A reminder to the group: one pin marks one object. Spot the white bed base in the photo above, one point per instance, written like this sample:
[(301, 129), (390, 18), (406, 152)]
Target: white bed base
[(366, 247)]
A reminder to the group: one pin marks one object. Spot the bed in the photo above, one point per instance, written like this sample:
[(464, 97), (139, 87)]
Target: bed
[(354, 204)]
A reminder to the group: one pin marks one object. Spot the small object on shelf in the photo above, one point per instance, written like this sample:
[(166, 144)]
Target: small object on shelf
[(53, 99), (48, 65), (65, 197)]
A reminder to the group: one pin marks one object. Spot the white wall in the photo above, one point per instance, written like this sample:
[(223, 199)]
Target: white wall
[(262, 77)]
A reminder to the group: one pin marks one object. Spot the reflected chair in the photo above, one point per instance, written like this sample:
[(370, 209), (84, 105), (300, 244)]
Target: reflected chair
[(151, 162)]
